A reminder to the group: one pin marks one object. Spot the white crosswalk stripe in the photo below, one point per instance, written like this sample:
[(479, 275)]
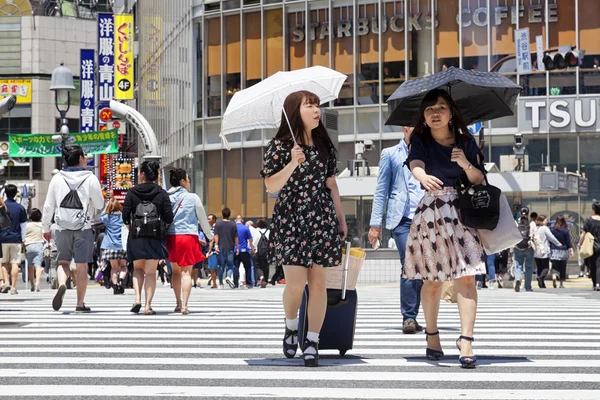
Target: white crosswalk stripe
[(541, 345)]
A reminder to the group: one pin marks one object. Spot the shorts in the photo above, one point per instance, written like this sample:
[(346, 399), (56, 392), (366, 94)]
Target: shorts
[(111, 255), (35, 254), (11, 253), (75, 245), (184, 250)]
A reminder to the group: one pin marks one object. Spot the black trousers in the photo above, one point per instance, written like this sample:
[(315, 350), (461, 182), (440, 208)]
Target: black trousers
[(594, 265), (261, 264), (561, 267), (242, 257), (543, 267)]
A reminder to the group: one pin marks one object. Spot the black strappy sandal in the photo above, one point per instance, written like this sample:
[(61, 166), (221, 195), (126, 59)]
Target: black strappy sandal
[(289, 350), (468, 362), (136, 308), (433, 355), (310, 360)]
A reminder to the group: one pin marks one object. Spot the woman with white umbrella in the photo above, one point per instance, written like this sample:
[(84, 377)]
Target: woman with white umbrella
[(308, 223)]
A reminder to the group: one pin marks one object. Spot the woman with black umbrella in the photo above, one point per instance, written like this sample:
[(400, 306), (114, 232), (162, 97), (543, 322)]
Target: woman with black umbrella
[(440, 248)]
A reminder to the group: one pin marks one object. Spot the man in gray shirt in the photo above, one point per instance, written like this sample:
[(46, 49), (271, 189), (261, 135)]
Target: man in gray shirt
[(226, 241)]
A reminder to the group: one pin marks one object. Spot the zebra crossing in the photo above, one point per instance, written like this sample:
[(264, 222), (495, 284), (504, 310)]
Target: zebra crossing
[(540, 345)]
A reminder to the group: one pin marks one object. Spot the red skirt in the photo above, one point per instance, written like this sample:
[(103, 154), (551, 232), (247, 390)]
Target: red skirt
[(184, 250)]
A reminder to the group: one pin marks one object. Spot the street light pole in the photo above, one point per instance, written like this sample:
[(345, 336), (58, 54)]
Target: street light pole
[(62, 84)]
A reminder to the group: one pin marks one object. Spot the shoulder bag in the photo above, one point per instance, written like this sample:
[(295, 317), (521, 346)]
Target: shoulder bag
[(5, 221)]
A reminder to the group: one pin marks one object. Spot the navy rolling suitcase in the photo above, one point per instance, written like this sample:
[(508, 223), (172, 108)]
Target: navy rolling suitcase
[(338, 328)]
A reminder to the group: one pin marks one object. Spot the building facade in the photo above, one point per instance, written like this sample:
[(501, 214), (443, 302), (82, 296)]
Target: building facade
[(202, 52)]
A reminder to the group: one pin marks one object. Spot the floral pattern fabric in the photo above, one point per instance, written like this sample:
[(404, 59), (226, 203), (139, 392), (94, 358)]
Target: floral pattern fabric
[(304, 227)]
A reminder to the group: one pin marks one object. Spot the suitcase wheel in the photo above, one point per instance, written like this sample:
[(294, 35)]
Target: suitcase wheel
[(343, 353)]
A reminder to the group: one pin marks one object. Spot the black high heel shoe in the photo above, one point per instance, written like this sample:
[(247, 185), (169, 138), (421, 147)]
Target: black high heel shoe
[(289, 350), (468, 362), (433, 355), (310, 360)]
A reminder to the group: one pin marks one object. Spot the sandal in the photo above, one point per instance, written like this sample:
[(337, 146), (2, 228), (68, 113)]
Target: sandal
[(136, 308), (150, 312), (185, 311), (289, 350), (178, 308), (310, 360), (433, 355), (468, 362)]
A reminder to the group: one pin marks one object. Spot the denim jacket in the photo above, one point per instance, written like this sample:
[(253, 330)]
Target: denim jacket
[(393, 188), (114, 226), (188, 212)]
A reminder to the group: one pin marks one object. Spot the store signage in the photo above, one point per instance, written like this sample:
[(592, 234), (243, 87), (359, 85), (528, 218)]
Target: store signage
[(522, 51), (562, 114), (106, 60), (418, 21), (87, 91), (42, 145), (21, 88), (124, 57)]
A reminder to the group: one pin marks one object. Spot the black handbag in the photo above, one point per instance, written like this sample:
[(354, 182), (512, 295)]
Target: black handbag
[(5, 221), (479, 205)]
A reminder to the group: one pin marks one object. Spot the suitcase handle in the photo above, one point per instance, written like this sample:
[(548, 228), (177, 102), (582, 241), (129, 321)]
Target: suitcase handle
[(346, 264)]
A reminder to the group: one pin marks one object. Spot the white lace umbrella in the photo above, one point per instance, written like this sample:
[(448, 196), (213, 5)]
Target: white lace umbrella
[(261, 105)]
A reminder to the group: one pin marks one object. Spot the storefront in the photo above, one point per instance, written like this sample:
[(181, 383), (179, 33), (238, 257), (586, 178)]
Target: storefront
[(378, 44)]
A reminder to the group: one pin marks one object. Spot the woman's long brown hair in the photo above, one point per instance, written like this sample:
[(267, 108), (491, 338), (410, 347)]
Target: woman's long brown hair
[(113, 206), (560, 223), (320, 137)]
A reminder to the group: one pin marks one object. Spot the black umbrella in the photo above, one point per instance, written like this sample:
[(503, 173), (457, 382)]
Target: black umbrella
[(479, 96)]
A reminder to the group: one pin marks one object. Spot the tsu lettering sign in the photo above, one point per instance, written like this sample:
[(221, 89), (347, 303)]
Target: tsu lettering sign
[(87, 91), (124, 57), (106, 60), (522, 51), (41, 145)]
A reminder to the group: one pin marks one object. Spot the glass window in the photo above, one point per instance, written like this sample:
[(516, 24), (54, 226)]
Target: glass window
[(199, 69), (346, 121), (198, 139), (253, 135), (213, 56), (562, 33), (367, 43), (421, 58), (474, 35), (232, 57), (345, 154), (297, 45), (252, 49), (343, 56), (447, 46), (270, 133), (590, 166), (319, 37), (254, 183), (233, 179), (214, 182), (589, 32), (213, 130), (389, 128), (198, 174), (394, 52), (273, 41), (368, 120)]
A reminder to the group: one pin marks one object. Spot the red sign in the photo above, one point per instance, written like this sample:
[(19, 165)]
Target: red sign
[(105, 114), (116, 124), (103, 127)]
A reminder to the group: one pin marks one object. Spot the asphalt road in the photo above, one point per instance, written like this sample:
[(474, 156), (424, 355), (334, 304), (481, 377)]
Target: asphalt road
[(539, 345)]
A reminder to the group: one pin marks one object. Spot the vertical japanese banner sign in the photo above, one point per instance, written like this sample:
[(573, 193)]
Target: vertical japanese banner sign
[(87, 90), (106, 61), (522, 51), (124, 56), (539, 48)]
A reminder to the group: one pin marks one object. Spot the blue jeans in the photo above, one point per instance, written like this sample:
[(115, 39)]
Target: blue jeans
[(225, 260), (410, 290), (524, 259), (491, 269)]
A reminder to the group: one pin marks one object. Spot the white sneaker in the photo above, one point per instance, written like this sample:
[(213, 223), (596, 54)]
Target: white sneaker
[(221, 287), (229, 281), (167, 284), (13, 291), (198, 283)]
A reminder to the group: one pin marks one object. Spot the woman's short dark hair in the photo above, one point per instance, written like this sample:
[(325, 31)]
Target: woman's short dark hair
[(36, 215), (176, 176), (596, 207), (72, 155), (150, 170), (261, 223), (459, 127)]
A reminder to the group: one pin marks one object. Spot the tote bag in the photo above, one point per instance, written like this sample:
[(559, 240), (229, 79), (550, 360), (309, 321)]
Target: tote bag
[(505, 235), (587, 247)]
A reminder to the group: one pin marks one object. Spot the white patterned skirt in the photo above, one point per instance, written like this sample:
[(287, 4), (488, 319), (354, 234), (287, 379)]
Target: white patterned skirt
[(439, 246)]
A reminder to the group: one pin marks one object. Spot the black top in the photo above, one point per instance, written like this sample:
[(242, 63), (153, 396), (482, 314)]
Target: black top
[(147, 192), (437, 159), (592, 226), (227, 232)]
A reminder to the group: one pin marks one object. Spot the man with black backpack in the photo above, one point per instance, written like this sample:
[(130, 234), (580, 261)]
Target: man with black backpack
[(525, 250), (75, 200)]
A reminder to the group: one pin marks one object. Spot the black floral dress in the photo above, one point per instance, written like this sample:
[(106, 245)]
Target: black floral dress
[(304, 227)]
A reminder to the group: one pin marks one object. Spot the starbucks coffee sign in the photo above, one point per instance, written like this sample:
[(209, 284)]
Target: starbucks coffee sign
[(419, 21), (560, 114)]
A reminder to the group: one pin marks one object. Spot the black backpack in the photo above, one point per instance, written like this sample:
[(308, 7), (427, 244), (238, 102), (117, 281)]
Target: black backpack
[(262, 250), (524, 227), (146, 222)]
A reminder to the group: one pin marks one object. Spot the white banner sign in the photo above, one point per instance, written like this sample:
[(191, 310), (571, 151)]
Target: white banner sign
[(522, 52), (539, 48)]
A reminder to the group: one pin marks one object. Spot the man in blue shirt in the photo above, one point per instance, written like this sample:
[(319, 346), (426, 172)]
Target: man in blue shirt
[(399, 193), (245, 248), (12, 238)]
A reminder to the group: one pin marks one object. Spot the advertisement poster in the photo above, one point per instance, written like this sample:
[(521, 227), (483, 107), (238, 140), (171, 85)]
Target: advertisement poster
[(42, 145), (124, 37)]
